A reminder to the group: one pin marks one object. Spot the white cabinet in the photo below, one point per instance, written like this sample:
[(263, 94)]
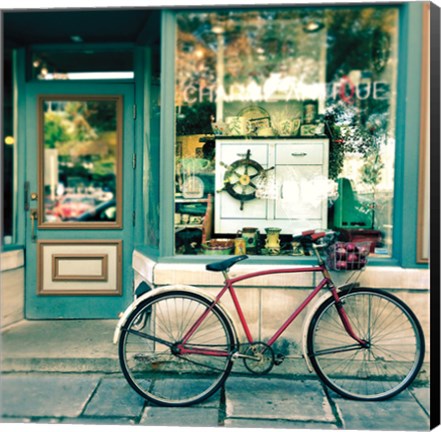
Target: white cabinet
[(301, 173)]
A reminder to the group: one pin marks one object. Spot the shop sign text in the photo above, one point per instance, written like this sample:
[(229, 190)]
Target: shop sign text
[(288, 88)]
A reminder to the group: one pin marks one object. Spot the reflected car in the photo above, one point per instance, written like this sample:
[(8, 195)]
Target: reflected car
[(104, 212), (73, 205), (49, 205)]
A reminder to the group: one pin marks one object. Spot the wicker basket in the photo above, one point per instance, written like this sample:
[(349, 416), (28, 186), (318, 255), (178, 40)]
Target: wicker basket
[(342, 256)]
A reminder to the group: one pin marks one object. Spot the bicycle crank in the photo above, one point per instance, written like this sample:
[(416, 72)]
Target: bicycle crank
[(259, 358), (279, 359)]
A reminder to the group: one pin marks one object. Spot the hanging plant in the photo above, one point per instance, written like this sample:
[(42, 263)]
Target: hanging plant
[(349, 133), (344, 138)]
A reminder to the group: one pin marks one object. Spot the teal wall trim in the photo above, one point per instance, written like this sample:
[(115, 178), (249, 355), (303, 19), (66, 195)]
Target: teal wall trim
[(151, 151), (19, 84), (141, 110), (408, 135), (167, 184)]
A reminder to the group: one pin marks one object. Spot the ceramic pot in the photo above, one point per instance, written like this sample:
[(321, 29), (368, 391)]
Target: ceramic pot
[(218, 247), (251, 237), (236, 125), (219, 128), (194, 165), (272, 241), (285, 128)]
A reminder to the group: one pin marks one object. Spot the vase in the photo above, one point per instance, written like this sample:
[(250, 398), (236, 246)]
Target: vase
[(240, 247), (272, 241), (285, 128)]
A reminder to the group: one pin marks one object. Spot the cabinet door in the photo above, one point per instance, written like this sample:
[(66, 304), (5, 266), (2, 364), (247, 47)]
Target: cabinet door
[(302, 192), (300, 154)]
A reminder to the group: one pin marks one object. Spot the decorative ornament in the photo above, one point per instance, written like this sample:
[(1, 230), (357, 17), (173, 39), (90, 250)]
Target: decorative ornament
[(239, 179)]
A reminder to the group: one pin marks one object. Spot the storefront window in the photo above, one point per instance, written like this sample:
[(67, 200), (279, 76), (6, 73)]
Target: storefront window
[(285, 121)]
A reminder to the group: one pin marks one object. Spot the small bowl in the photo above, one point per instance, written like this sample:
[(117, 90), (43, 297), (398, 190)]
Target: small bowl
[(219, 128), (218, 247)]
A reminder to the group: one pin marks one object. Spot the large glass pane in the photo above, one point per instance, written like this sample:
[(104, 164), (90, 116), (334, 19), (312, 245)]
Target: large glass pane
[(274, 104), (80, 155)]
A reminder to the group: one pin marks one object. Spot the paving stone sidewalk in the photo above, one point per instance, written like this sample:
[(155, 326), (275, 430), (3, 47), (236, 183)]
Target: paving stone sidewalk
[(67, 372), (254, 402)]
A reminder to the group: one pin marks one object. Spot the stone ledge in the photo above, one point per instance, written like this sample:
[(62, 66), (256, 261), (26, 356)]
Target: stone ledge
[(11, 260), (157, 273)]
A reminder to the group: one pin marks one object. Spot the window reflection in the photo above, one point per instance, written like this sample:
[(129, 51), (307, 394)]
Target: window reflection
[(80, 160)]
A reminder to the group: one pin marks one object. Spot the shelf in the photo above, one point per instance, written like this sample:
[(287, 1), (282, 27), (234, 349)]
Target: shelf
[(191, 200), (206, 219), (184, 226)]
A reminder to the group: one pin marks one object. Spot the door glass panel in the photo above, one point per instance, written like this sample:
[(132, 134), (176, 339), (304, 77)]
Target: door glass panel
[(80, 154)]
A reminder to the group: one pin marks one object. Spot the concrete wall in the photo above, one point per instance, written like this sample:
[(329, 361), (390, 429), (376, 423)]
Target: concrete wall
[(268, 301), (12, 287)]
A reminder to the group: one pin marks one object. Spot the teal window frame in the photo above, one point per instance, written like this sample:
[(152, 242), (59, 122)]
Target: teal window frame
[(404, 250)]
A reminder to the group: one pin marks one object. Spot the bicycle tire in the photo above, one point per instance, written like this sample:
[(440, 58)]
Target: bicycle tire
[(391, 361), (157, 373)]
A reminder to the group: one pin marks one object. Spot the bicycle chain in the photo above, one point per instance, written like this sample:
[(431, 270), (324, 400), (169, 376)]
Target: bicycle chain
[(277, 360)]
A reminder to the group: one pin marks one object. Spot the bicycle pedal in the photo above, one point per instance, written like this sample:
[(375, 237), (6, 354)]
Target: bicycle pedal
[(279, 359)]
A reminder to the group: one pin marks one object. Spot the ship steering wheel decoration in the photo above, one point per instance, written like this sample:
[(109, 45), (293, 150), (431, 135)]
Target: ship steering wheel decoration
[(238, 179)]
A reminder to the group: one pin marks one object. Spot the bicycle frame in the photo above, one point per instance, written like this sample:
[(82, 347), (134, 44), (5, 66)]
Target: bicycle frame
[(229, 286)]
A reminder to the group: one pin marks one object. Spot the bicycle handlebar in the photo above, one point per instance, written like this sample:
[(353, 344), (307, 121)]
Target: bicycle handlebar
[(307, 238)]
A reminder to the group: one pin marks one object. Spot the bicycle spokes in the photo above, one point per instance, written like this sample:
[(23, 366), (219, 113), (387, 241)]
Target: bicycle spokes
[(385, 364), (156, 362)]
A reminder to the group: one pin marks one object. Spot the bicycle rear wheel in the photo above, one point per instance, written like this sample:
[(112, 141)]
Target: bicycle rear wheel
[(149, 354), (393, 355)]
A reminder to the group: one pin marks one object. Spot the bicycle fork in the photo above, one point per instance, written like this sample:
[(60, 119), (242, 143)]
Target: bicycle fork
[(345, 319)]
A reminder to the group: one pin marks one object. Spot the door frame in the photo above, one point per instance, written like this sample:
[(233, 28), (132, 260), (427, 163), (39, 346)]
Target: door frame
[(81, 303)]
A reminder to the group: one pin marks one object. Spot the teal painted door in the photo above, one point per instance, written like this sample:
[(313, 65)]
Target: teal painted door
[(79, 199)]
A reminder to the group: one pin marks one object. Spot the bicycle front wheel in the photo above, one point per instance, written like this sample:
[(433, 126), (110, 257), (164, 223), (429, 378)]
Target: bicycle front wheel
[(391, 358), (152, 361)]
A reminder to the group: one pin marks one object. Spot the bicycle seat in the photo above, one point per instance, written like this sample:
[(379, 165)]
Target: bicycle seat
[(225, 265)]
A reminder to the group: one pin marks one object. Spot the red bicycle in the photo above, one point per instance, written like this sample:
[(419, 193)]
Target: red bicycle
[(177, 345)]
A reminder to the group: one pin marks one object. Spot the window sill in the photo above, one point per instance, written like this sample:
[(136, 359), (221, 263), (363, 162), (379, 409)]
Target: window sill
[(191, 271), (12, 257)]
